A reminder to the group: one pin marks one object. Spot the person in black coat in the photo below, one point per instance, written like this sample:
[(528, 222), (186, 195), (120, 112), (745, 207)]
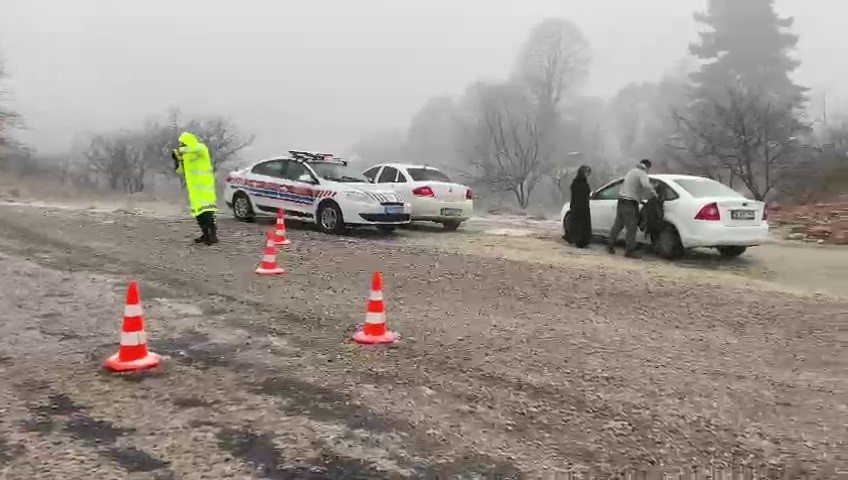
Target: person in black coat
[(580, 220)]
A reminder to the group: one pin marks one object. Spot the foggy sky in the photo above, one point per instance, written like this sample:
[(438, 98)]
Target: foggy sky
[(316, 74)]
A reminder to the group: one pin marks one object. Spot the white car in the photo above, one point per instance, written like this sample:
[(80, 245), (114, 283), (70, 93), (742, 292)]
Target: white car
[(699, 212), (434, 197), (314, 187)]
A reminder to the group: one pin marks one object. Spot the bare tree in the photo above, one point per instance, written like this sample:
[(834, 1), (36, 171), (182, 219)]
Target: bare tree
[(554, 59), (503, 143), (749, 135), (8, 118)]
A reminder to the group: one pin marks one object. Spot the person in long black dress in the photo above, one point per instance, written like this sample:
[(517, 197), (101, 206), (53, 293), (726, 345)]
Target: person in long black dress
[(580, 220)]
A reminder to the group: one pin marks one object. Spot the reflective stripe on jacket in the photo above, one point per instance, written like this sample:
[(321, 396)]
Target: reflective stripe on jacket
[(196, 165)]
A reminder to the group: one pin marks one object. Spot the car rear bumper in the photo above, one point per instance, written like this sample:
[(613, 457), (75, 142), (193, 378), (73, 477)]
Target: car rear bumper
[(430, 209), (707, 234)]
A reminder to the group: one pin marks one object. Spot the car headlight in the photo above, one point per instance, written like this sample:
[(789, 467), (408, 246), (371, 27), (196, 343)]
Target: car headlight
[(359, 197)]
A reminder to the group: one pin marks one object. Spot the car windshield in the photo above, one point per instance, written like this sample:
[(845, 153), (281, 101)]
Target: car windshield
[(427, 175), (704, 187), (337, 172)]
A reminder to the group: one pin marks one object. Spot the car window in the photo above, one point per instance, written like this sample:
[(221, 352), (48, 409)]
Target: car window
[(400, 178), (388, 175), (609, 193), (371, 172), (427, 174), (272, 168), (665, 192), (294, 170), (704, 187)]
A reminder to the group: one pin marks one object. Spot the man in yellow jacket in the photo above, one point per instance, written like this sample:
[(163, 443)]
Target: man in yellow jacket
[(192, 161)]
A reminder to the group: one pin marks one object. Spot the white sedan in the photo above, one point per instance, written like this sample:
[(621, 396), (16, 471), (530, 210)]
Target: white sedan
[(314, 187), (434, 196), (699, 212)]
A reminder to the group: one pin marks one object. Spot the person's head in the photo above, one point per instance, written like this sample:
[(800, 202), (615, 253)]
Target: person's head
[(645, 164), (584, 171)]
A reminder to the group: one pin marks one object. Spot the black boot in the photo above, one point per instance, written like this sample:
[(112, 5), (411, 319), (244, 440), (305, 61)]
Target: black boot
[(204, 237), (211, 229)]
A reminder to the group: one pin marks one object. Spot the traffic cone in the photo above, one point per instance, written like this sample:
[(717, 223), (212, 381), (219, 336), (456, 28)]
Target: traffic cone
[(280, 230), (133, 354), (374, 330), (269, 259)]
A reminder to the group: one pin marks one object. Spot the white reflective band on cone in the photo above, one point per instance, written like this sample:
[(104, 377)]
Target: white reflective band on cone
[(375, 318), (268, 258), (132, 310), (375, 295), (131, 339)]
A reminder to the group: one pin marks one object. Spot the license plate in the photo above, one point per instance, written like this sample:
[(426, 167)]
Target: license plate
[(742, 214), (451, 212), (394, 210)]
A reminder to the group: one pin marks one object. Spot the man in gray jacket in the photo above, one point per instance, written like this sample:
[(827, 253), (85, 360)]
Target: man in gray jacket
[(635, 188)]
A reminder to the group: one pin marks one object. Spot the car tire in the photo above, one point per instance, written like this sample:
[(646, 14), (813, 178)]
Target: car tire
[(386, 229), (667, 243), (451, 225), (731, 251), (565, 235), (329, 218), (242, 208)]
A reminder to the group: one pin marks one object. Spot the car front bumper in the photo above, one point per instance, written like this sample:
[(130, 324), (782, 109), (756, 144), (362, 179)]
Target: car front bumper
[(377, 214)]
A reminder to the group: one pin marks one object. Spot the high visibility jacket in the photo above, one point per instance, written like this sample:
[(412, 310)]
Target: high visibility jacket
[(196, 165)]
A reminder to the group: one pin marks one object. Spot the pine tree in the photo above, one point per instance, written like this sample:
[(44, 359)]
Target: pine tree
[(747, 44)]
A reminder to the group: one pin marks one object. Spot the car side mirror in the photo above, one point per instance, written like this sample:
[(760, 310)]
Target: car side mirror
[(306, 178)]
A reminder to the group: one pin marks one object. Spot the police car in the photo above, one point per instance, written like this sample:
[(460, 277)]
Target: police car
[(314, 187)]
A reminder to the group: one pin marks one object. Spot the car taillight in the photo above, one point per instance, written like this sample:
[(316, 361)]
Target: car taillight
[(469, 195), (709, 212), (765, 213), (423, 192)]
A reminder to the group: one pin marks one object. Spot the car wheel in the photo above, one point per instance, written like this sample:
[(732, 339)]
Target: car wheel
[(667, 243), (330, 218), (730, 252), (565, 220), (242, 209), (387, 229), (451, 225)]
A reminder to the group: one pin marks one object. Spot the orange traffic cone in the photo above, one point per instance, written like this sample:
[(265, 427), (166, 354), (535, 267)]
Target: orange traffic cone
[(280, 230), (375, 330), (133, 354), (269, 259)]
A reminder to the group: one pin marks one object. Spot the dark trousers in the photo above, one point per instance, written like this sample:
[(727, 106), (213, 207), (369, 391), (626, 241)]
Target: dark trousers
[(626, 217), (208, 226)]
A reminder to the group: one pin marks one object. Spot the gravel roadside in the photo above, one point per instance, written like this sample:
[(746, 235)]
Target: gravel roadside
[(505, 366)]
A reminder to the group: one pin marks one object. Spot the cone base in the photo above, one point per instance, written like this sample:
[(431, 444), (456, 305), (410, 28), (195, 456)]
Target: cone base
[(388, 337), (270, 271), (282, 243), (115, 364)]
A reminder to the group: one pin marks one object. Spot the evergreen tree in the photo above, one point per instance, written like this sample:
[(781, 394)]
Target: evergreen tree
[(748, 45)]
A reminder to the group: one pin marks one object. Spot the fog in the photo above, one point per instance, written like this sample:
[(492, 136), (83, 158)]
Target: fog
[(318, 74)]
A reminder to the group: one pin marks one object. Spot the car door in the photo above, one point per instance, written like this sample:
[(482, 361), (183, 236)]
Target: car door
[(671, 207), (264, 185), (300, 189), (396, 180), (602, 207)]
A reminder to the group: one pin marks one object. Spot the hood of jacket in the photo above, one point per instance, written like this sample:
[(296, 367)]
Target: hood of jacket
[(188, 139)]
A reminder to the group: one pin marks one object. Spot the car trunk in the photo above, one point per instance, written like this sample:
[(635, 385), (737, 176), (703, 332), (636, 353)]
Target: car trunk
[(740, 212), (450, 192)]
